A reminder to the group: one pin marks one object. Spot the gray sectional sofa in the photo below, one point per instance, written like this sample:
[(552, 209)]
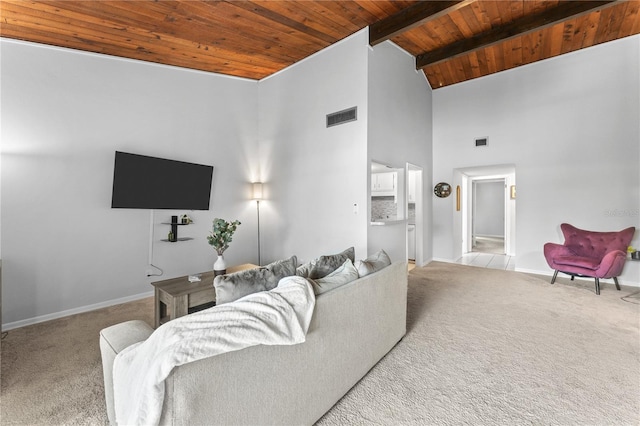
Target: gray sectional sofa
[(352, 328)]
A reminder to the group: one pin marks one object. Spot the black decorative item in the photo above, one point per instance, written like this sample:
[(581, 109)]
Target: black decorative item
[(172, 237), (442, 190), (174, 229)]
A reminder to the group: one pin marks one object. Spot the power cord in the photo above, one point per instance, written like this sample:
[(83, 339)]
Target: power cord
[(4, 334), (156, 275)]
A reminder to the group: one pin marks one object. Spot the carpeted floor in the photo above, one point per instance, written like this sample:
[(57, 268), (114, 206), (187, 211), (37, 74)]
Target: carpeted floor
[(483, 347), (52, 372), (491, 347)]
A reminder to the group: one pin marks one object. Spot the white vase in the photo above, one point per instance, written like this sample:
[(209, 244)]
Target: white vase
[(220, 266)]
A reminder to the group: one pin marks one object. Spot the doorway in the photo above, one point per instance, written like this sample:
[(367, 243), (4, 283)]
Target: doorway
[(488, 216), (415, 215), (464, 215)]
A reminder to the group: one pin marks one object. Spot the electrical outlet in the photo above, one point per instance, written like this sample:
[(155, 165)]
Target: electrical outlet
[(355, 209)]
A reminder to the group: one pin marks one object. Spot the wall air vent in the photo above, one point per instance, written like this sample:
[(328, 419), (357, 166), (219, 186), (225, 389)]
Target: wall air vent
[(343, 116), (481, 142)]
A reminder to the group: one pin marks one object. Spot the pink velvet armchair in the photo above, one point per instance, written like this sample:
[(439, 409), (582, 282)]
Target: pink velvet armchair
[(589, 254)]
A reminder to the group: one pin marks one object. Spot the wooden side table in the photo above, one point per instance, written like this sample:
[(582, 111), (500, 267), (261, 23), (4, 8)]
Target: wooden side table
[(177, 297)]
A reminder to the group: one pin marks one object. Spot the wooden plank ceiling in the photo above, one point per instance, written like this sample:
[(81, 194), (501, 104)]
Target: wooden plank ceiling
[(453, 41)]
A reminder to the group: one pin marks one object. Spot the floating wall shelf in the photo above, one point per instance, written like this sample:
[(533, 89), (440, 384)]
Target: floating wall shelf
[(174, 230)]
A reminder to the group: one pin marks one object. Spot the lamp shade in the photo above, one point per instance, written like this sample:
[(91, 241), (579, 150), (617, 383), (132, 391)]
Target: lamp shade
[(257, 191)]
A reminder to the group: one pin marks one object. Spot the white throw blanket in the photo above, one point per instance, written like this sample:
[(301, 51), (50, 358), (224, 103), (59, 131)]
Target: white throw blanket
[(277, 317)]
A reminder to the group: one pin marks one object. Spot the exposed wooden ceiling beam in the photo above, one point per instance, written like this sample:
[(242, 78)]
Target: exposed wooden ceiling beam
[(411, 17), (565, 10)]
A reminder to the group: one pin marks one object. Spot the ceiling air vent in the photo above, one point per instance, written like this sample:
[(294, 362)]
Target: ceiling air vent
[(343, 116), (481, 142)]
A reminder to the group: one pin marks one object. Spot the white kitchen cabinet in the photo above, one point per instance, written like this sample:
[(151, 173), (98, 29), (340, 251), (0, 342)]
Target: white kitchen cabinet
[(384, 184)]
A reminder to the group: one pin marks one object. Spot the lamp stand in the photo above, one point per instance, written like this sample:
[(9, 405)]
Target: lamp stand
[(258, 207)]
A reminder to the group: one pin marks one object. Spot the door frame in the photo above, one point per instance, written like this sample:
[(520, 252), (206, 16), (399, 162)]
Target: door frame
[(462, 219), (472, 217), (419, 207)]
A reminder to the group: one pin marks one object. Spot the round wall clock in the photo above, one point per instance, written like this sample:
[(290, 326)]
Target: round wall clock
[(442, 190)]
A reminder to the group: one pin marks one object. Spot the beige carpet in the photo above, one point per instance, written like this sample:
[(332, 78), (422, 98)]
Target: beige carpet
[(493, 347), (52, 373), (483, 347)]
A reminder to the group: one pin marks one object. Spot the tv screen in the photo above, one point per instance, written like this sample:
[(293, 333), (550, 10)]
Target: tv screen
[(142, 182)]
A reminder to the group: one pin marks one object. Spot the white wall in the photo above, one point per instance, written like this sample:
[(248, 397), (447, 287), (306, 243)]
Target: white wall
[(399, 131), (314, 175), (570, 126), (64, 114), (0, 185)]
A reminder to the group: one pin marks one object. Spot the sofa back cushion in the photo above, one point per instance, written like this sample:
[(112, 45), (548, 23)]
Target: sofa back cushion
[(324, 265), (373, 263), (232, 287), (595, 244), (344, 274)]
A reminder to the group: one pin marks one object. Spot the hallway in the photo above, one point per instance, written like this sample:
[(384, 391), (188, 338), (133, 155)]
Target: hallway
[(488, 260), (488, 252)]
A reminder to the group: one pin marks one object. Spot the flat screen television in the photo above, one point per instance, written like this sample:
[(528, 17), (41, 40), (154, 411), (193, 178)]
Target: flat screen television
[(143, 182)]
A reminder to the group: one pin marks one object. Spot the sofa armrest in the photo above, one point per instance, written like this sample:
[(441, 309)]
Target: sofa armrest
[(611, 264), (553, 250), (112, 341)]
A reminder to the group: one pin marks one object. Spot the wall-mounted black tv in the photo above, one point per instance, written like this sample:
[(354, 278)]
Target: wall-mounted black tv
[(143, 182)]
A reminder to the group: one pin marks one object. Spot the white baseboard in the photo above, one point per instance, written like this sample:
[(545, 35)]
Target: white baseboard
[(426, 262), (549, 273), (546, 273), (56, 315), (489, 236), (439, 259)]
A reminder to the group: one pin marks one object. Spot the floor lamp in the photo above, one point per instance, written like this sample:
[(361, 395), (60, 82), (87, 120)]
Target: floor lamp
[(257, 195)]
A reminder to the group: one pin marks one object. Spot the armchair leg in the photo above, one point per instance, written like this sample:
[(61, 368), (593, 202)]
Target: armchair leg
[(615, 280), (555, 274), (597, 286)]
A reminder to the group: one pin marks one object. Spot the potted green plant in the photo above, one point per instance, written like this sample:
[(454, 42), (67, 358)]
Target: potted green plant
[(219, 239)]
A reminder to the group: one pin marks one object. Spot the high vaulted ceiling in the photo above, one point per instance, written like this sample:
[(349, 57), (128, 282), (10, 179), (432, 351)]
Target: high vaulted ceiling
[(453, 41)]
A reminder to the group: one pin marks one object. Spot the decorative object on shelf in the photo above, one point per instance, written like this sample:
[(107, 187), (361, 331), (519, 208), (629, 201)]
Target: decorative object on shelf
[(172, 237), (442, 190), (219, 239), (257, 195), (185, 219), (635, 255)]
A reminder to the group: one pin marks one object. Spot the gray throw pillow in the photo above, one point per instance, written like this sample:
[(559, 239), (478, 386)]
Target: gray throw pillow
[(373, 263), (324, 265), (344, 274), (232, 287)]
